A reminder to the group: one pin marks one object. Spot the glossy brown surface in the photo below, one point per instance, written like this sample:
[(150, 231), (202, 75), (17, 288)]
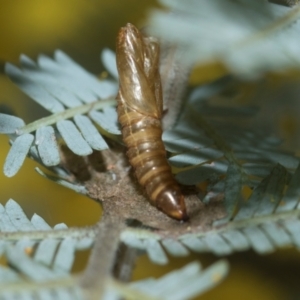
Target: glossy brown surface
[(140, 111)]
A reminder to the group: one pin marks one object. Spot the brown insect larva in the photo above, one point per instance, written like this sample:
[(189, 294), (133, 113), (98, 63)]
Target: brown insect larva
[(140, 112)]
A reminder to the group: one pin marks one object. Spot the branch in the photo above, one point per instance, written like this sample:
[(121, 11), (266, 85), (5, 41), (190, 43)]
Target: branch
[(102, 258)]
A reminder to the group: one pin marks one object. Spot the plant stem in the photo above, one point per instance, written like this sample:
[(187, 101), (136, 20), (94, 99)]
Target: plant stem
[(66, 114), (125, 262), (109, 258)]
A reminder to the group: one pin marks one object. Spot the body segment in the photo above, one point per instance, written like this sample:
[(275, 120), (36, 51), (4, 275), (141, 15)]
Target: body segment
[(140, 112)]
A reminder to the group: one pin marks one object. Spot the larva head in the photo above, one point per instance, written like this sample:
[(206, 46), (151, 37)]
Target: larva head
[(171, 202)]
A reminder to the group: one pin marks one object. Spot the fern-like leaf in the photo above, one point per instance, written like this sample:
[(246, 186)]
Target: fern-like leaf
[(249, 37), (42, 267), (68, 91), (185, 283), (267, 221)]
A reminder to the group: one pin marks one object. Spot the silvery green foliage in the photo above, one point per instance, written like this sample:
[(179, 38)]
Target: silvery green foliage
[(59, 83), (14, 221), (249, 37), (185, 283), (263, 226), (72, 95), (62, 178), (230, 157), (51, 258), (267, 221), (212, 147), (212, 138), (41, 258), (108, 58)]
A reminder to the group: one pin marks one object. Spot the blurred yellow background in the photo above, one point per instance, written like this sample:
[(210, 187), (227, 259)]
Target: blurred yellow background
[(82, 29)]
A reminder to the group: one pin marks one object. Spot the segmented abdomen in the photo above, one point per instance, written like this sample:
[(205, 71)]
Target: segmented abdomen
[(147, 154)]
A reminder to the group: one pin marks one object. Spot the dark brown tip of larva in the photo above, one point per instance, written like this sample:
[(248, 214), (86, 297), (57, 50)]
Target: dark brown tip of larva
[(171, 202), (179, 215), (184, 217)]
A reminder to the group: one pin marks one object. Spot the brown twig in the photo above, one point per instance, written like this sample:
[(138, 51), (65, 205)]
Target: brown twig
[(102, 258)]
